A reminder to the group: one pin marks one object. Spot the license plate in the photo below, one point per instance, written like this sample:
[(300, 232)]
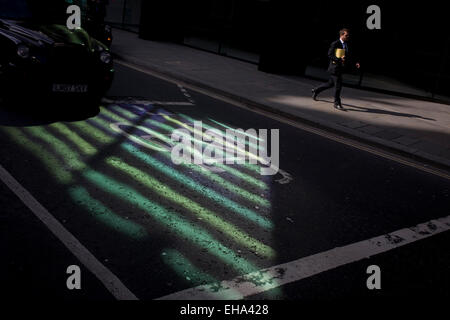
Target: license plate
[(72, 88)]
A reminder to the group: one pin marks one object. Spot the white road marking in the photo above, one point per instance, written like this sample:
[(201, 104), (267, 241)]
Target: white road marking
[(147, 102), (143, 111), (287, 177), (266, 279), (109, 280), (186, 94), (323, 133)]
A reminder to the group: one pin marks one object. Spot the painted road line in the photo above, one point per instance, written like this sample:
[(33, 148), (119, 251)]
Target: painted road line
[(186, 94), (109, 280), (323, 133), (146, 102), (270, 278), (142, 110)]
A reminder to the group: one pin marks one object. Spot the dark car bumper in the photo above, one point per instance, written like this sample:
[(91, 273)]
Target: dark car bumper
[(71, 80)]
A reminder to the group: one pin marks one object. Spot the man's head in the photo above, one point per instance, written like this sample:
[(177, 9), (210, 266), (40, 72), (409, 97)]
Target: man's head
[(344, 34)]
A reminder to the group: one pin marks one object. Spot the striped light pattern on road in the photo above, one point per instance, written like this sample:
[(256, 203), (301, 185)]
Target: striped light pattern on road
[(75, 155)]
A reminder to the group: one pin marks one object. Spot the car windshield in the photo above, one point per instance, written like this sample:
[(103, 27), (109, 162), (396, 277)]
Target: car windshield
[(50, 11)]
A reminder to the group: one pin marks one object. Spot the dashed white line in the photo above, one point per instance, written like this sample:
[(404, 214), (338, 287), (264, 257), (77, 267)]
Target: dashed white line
[(186, 94)]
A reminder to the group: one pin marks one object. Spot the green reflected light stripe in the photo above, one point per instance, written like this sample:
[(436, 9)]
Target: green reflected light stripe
[(116, 117), (185, 269), (123, 115), (182, 227), (85, 147), (52, 164), (78, 194), (207, 126), (71, 157), (202, 213), (127, 114), (93, 132), (204, 134), (226, 184), (99, 211), (130, 115), (233, 129), (249, 166), (198, 236), (190, 183), (212, 176), (245, 177)]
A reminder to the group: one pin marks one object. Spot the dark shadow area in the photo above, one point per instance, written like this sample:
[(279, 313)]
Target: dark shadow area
[(381, 111), (34, 260), (376, 111), (42, 111), (269, 29)]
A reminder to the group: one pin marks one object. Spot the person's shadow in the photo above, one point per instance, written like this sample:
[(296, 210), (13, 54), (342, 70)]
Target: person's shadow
[(378, 111)]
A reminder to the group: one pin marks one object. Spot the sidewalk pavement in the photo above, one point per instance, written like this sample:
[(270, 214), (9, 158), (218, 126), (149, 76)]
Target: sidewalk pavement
[(418, 128)]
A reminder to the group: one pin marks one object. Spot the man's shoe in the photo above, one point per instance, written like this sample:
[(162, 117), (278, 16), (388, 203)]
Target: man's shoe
[(338, 106), (314, 94)]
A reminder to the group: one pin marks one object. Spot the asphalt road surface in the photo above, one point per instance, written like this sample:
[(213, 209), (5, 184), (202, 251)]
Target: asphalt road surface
[(152, 229)]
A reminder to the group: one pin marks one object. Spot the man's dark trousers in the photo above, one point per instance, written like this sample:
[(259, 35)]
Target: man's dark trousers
[(334, 81), (336, 68)]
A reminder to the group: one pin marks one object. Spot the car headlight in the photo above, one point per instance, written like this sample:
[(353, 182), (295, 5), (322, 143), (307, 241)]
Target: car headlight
[(23, 51), (105, 57)]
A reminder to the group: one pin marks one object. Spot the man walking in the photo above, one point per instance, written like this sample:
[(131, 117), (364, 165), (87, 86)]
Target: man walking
[(339, 61)]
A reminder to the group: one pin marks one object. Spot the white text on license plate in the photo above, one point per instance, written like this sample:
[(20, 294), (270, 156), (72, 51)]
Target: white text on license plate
[(75, 88)]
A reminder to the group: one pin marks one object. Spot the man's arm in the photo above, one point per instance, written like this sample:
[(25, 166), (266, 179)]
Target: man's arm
[(356, 59), (352, 59)]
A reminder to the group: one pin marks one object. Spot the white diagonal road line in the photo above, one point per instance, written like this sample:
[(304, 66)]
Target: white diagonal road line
[(109, 280), (146, 102), (266, 279)]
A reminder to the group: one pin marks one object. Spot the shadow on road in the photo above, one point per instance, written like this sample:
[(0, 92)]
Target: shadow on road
[(41, 112), (377, 111)]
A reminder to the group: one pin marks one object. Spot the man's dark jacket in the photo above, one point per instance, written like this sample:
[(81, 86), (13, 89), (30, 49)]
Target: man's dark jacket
[(337, 67)]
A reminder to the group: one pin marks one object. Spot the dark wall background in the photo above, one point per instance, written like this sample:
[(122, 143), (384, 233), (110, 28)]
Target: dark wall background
[(412, 46)]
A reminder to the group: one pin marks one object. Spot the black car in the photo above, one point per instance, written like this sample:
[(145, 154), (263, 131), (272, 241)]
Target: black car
[(39, 55)]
